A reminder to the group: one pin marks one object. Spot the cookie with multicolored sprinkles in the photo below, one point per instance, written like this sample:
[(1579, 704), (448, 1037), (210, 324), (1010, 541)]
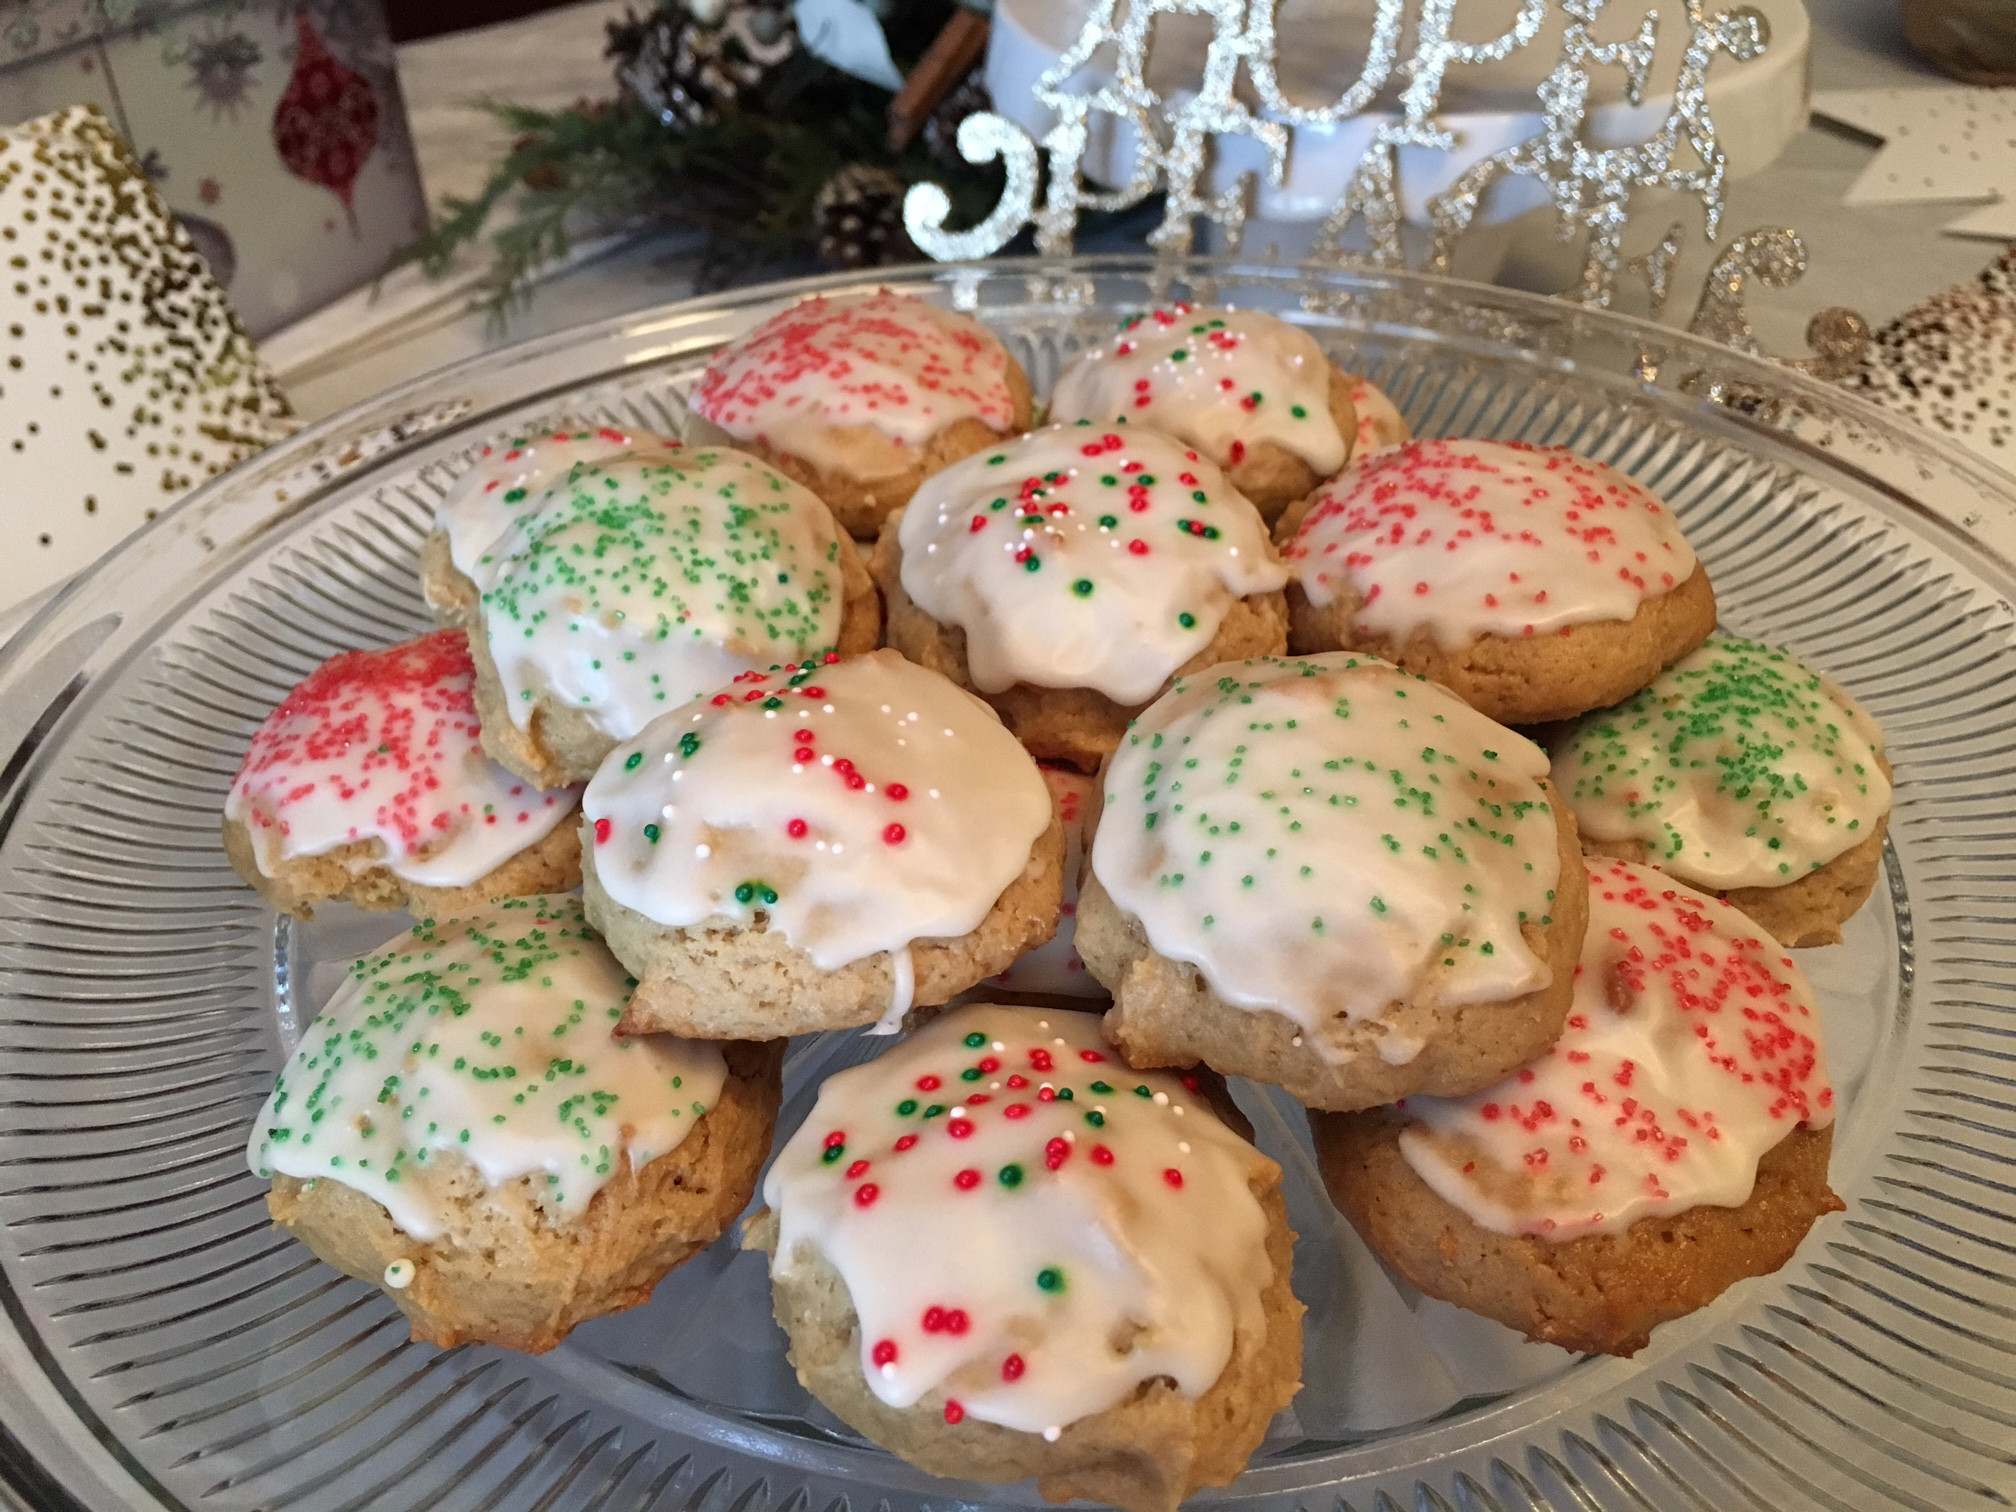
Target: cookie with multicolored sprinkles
[(1535, 583), (1066, 575), (818, 848), (369, 785), (1328, 874), (461, 1126), (1746, 773), (861, 397), (1001, 1254), (1251, 392), (608, 577), (1674, 1141)]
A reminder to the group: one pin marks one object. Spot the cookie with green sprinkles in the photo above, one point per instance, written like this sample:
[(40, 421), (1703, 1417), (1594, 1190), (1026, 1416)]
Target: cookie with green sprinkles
[(462, 1126), (1001, 1254), (1746, 773), (1255, 394), (1066, 575), (1329, 874), (608, 577)]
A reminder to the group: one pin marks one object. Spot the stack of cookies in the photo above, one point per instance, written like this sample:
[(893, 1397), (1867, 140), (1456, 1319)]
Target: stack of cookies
[(836, 709)]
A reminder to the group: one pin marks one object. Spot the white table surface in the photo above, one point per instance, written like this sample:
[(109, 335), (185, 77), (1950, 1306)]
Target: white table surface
[(1879, 260)]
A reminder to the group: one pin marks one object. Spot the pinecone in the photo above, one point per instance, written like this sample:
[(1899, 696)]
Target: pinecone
[(687, 71), (858, 219), (941, 132)]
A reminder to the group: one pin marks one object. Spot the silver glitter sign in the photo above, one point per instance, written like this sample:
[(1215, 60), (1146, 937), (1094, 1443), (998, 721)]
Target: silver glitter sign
[(1590, 188)]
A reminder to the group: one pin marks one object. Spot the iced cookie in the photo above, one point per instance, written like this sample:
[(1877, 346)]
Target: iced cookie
[(1251, 392), (1053, 968), (816, 849), (1328, 874), (1001, 1254), (368, 785), (606, 578), (1673, 1142), (1534, 583), (1380, 422), (461, 1126), (1745, 773), (861, 397), (1068, 574)]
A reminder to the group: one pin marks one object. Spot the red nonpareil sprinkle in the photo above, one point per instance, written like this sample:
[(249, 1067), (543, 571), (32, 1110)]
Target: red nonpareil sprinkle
[(857, 1170), (602, 828), (967, 1179), (884, 1352), (866, 1193), (1017, 1082), (797, 829), (1012, 1368), (835, 1139), (1174, 1177), (1139, 548), (1101, 1156), (1056, 1152), (905, 1143), (960, 1128), (1046, 1094), (1040, 1059), (1016, 1110), (1190, 1082), (928, 1084), (1091, 1057), (954, 1413), (897, 791), (979, 524), (893, 834)]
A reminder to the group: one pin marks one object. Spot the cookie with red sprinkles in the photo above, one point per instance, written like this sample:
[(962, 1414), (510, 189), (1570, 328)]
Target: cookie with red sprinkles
[(1534, 583), (1672, 1142), (1001, 1253), (369, 785), (860, 397)]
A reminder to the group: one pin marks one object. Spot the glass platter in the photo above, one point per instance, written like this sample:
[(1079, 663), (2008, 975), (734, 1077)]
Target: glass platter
[(162, 1346)]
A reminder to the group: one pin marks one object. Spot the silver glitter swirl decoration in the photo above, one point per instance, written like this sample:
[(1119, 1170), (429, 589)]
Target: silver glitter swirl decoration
[(1591, 188)]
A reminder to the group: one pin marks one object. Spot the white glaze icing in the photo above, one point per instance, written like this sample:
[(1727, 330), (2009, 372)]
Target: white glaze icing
[(511, 478), (1220, 380), (859, 805), (1076, 557), (382, 745), (1007, 1203), (1463, 538), (1739, 767), (1692, 1049), (646, 575), (857, 383), (1380, 422), (1054, 966), (1327, 835), (489, 1036)]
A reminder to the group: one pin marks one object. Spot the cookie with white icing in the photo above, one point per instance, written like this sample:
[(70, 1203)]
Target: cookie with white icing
[(1251, 392), (860, 397), (606, 577), (1331, 875), (1380, 423), (369, 785), (1536, 583), (1746, 773), (818, 848), (1068, 574), (1053, 969), (461, 1126), (1001, 1254), (1674, 1141)]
